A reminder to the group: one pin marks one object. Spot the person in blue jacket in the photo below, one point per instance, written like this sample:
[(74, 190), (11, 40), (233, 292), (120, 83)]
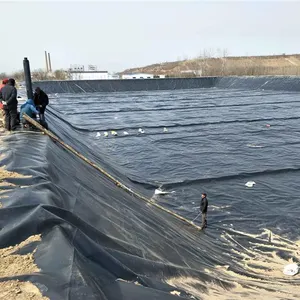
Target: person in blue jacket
[(29, 109)]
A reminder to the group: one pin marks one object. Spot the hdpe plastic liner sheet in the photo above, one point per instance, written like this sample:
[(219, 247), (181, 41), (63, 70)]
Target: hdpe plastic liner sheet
[(99, 242), (280, 83)]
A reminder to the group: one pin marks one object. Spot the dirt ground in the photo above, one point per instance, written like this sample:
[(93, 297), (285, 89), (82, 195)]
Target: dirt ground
[(226, 65), (1, 118), (16, 290), (12, 264)]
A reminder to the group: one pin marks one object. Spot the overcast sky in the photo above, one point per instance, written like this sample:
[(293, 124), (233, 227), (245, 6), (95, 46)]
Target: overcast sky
[(118, 35)]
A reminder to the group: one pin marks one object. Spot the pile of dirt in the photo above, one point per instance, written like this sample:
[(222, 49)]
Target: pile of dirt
[(13, 264)]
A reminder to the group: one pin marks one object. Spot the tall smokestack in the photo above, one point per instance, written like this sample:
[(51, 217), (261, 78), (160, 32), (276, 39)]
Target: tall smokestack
[(46, 58), (49, 61)]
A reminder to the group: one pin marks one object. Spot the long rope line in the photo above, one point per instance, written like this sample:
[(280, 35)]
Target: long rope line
[(114, 180)]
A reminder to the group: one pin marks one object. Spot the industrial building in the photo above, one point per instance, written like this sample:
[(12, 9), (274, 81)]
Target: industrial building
[(79, 72), (88, 75)]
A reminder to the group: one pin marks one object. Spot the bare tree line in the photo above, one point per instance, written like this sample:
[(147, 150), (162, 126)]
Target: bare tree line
[(38, 75)]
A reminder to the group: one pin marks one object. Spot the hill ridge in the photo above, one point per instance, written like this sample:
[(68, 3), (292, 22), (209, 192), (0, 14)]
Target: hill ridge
[(225, 66)]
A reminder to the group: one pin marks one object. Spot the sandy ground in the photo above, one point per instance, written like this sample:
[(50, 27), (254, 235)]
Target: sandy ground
[(1, 119), (16, 290), (12, 264), (263, 279), (4, 175)]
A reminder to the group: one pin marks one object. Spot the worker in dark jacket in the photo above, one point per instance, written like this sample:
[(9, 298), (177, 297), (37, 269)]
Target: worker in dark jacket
[(4, 82), (29, 109), (41, 100), (203, 208), (8, 97)]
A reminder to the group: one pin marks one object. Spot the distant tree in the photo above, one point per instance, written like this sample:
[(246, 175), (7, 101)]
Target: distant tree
[(68, 74), (3, 75), (219, 52), (224, 61), (39, 74), (61, 75), (18, 76), (203, 61)]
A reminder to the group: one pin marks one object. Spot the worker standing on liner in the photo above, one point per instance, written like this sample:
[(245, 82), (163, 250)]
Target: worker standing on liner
[(8, 97), (2, 114), (41, 100), (203, 208), (2, 85)]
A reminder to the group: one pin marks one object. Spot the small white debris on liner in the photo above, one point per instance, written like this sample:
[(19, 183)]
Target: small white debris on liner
[(175, 293), (291, 269), (160, 192), (250, 184), (114, 132)]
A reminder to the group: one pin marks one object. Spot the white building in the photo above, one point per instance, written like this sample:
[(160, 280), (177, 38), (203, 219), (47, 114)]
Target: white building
[(141, 76), (79, 72), (113, 76), (88, 75)]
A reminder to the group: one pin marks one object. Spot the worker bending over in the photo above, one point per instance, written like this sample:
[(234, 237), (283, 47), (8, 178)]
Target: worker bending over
[(30, 110), (41, 100)]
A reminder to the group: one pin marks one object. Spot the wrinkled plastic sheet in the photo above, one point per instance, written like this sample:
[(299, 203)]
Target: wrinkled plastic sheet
[(98, 242)]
